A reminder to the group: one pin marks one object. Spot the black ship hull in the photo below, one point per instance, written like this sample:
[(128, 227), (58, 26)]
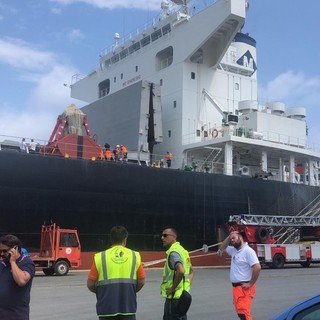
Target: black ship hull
[(94, 195)]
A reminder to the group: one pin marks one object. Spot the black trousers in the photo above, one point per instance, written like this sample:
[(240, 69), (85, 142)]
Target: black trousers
[(170, 307), (119, 317)]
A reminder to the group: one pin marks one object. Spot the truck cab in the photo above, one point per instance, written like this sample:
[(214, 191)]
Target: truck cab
[(60, 250)]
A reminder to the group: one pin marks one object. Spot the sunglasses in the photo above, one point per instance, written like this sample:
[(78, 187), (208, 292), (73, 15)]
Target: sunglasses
[(164, 235)]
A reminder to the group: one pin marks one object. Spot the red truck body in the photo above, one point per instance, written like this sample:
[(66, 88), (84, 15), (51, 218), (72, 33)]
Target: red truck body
[(60, 250)]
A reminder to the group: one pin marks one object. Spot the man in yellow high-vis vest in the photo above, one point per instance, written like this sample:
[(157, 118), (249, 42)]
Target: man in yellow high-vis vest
[(177, 274), (115, 277)]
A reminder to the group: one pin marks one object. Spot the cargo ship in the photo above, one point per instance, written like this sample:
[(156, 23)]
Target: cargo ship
[(186, 85)]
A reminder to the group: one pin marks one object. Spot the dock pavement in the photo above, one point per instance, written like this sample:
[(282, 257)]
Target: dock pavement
[(67, 297)]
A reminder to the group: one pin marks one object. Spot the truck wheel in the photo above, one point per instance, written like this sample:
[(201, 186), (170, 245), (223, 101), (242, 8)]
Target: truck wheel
[(305, 264), (61, 268), (262, 234), (48, 271), (278, 261)]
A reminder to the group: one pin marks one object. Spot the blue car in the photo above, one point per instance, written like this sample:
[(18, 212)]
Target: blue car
[(308, 309)]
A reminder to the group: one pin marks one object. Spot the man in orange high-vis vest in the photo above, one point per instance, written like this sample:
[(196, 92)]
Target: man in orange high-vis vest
[(169, 159), (244, 272), (115, 277)]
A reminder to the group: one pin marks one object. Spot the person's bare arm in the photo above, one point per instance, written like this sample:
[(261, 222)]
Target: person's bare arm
[(140, 284), (255, 275), (191, 275), (91, 284), (20, 277)]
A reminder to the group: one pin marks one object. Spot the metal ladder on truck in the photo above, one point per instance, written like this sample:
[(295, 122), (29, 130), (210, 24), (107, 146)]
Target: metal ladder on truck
[(258, 231), (263, 227), (312, 210)]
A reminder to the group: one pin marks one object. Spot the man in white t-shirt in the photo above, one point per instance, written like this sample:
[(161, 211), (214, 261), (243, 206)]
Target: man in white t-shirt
[(244, 272)]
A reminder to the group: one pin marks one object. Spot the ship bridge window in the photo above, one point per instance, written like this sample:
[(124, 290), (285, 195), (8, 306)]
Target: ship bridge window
[(104, 88), (107, 63), (134, 47), (123, 53), (145, 41), (115, 58), (193, 75), (164, 58), (166, 29), (156, 35)]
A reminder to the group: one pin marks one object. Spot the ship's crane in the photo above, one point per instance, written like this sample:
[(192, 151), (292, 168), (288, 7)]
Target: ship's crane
[(262, 234), (67, 138)]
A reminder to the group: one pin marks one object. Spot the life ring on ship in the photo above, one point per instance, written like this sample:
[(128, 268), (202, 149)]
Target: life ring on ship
[(215, 133)]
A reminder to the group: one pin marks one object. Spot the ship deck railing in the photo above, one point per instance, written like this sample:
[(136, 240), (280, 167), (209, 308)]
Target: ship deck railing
[(270, 136), (173, 9), (213, 164)]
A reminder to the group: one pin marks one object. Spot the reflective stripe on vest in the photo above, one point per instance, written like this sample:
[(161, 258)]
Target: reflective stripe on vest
[(132, 277), (117, 268)]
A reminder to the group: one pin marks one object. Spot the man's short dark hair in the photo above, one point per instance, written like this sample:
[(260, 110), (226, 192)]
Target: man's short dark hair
[(118, 234), (173, 230), (11, 241)]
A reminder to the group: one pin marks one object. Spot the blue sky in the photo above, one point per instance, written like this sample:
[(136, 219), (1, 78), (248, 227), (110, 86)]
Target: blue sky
[(44, 42)]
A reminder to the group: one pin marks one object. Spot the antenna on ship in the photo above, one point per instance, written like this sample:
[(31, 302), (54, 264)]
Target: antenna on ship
[(116, 38), (165, 9), (183, 3), (247, 6)]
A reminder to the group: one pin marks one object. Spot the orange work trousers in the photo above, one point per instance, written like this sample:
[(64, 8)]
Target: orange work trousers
[(242, 300)]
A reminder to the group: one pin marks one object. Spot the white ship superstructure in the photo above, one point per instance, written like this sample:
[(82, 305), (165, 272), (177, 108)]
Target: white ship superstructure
[(205, 71)]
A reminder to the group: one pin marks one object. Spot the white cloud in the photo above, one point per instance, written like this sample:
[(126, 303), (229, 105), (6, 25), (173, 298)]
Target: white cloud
[(50, 94), (75, 34), (296, 90), (36, 116), (56, 10), (19, 54), (113, 4)]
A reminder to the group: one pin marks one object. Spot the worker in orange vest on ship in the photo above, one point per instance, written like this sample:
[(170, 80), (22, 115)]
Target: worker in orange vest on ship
[(108, 155), (169, 158), (123, 152)]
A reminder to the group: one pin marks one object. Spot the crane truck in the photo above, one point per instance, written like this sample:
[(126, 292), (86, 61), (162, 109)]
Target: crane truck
[(60, 250), (279, 240)]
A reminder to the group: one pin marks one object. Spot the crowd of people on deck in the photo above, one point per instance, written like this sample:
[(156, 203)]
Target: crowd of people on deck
[(118, 153)]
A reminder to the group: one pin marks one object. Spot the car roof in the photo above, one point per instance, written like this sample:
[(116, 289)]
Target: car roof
[(296, 308)]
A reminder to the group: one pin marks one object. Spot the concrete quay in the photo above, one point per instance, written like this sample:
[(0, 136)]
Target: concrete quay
[(68, 298)]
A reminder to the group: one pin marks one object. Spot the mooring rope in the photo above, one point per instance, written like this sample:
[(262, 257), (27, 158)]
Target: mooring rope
[(204, 249)]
